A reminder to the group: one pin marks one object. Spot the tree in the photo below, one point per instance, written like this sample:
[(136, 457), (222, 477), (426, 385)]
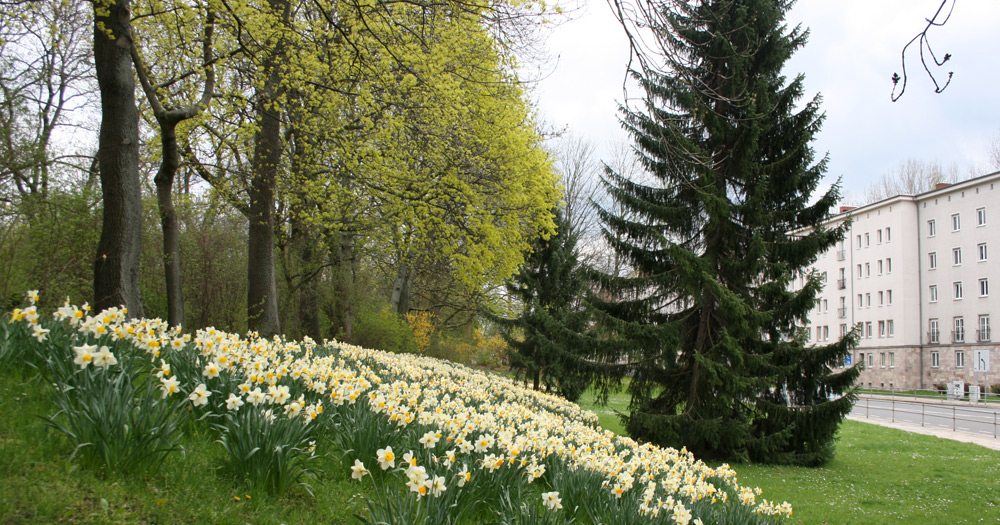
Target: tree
[(910, 177), (543, 341), (116, 268), (706, 323), (168, 117)]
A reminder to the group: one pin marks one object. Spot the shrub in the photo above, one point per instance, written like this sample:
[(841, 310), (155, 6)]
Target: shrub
[(383, 329)]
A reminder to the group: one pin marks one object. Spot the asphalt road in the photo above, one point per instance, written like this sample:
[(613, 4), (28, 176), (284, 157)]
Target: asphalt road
[(980, 420)]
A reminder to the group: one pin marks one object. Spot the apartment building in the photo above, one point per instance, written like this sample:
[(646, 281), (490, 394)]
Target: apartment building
[(913, 274)]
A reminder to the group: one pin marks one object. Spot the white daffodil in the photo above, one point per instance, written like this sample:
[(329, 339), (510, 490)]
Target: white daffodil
[(234, 402), (84, 355), (104, 358), (200, 395)]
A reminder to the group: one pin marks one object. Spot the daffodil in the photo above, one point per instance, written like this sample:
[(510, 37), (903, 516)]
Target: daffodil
[(84, 354), (358, 471), (169, 386), (39, 333), (464, 476), (104, 358), (199, 397), (386, 459), (211, 370), (552, 500), (234, 402)]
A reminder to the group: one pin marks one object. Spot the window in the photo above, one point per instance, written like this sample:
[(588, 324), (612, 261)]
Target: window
[(819, 333), (861, 301), (890, 327), (824, 277), (892, 359), (933, 333), (880, 266), (932, 262), (826, 332), (931, 230), (868, 300), (958, 336), (956, 256), (956, 222), (888, 236), (868, 329), (984, 287), (868, 269), (959, 359), (980, 216), (881, 298), (957, 288), (871, 360), (843, 330), (878, 236), (859, 240), (933, 293), (808, 334), (881, 328), (888, 297), (881, 357), (868, 240), (888, 265), (935, 359), (982, 251), (859, 271), (984, 329), (826, 306)]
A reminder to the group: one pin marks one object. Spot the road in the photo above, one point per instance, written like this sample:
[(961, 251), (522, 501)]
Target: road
[(981, 420)]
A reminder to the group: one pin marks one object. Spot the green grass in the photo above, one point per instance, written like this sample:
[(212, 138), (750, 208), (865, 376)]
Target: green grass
[(879, 475)]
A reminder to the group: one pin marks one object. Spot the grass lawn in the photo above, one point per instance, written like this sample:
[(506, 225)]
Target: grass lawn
[(879, 475)]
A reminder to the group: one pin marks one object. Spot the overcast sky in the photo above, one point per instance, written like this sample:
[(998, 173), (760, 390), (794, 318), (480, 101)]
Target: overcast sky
[(853, 50)]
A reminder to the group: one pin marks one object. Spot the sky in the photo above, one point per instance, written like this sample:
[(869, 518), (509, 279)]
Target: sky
[(854, 48)]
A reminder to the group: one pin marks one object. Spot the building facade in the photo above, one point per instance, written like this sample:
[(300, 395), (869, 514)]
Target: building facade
[(913, 274)]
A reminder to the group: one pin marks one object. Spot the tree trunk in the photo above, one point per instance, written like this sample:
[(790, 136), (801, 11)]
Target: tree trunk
[(164, 181), (116, 269), (401, 290), (309, 261), (262, 290)]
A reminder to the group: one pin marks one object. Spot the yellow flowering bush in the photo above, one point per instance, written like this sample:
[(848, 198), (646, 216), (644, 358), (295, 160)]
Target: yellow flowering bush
[(439, 441)]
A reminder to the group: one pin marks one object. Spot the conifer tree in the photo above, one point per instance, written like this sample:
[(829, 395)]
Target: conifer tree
[(705, 324), (543, 337)]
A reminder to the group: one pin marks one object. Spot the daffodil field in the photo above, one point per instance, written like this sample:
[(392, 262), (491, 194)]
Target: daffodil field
[(430, 441)]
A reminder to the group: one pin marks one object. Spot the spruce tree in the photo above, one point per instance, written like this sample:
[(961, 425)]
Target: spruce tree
[(544, 336), (706, 322)]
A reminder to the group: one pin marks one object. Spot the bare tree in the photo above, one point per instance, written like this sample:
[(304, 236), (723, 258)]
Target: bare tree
[(910, 177), (578, 171), (993, 152), (45, 75)]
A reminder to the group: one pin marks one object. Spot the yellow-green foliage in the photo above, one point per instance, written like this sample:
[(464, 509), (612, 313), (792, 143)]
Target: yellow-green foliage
[(422, 325)]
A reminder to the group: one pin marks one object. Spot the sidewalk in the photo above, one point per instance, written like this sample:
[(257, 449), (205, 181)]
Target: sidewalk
[(966, 437)]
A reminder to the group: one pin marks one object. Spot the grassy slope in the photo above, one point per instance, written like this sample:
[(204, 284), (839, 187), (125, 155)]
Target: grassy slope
[(880, 475), (39, 485)]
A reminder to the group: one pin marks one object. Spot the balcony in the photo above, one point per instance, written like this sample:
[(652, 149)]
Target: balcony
[(841, 284), (933, 337), (842, 313), (958, 336), (983, 335), (841, 255)]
